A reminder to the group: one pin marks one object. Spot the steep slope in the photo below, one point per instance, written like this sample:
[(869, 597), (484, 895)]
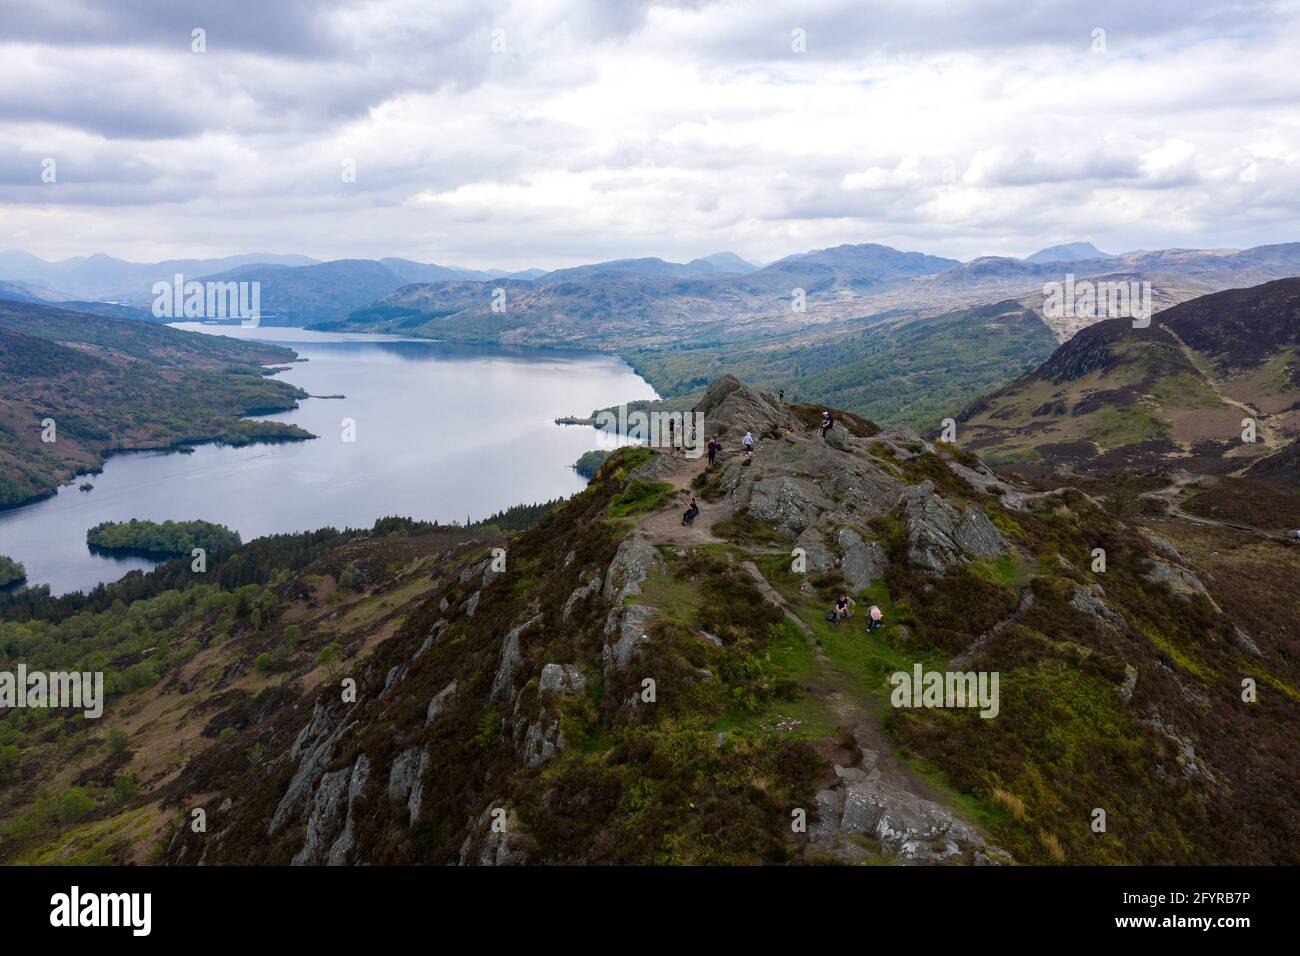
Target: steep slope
[(628, 690), (109, 384), (1174, 395)]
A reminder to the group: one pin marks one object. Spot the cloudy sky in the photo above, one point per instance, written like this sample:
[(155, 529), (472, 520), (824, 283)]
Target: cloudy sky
[(553, 132)]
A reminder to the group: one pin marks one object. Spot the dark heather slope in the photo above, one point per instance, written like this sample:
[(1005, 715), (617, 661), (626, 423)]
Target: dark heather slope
[(1172, 396)]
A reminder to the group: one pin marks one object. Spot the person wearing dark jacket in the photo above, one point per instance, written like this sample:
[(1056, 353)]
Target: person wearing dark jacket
[(691, 511)]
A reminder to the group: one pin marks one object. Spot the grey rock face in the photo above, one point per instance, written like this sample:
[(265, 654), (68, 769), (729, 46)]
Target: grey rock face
[(471, 605), (504, 684), (434, 633), (625, 632), (813, 543), (327, 813), (732, 408), (630, 566), (473, 571), (542, 741), (315, 743), (792, 504), (495, 840), (863, 561), (939, 536), (439, 702), (417, 791), (1242, 640), (404, 773), (907, 827), (395, 675), (1089, 601), (342, 846), (581, 593), (1130, 683), (838, 437), (561, 679), (1181, 581)]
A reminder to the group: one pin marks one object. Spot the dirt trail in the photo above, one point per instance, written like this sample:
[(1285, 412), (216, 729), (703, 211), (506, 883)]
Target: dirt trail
[(1170, 496), (665, 526), (880, 777), (1265, 427)]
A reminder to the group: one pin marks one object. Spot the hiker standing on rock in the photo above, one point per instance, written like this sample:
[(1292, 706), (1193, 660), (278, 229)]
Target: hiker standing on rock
[(672, 437), (827, 423), (749, 443), (713, 450)]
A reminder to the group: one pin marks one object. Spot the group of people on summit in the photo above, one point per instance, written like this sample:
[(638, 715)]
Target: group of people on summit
[(844, 604)]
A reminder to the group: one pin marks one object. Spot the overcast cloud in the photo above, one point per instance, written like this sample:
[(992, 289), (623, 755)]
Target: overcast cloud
[(607, 129)]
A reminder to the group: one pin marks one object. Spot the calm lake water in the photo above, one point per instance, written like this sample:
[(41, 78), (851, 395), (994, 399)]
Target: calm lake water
[(443, 432)]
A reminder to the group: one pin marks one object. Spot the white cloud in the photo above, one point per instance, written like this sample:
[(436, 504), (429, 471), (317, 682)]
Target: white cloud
[(677, 129)]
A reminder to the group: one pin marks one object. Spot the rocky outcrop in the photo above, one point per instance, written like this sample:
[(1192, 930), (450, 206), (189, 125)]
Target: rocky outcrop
[(630, 566), (495, 839), (792, 504), (1087, 600), (439, 702), (939, 536), (405, 780), (818, 557), (731, 409), (561, 679), (329, 810), (503, 685), (625, 632), (581, 593), (1181, 582), (313, 748), (862, 561), (864, 815)]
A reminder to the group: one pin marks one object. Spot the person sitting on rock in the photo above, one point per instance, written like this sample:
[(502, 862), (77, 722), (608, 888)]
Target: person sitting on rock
[(877, 619), (842, 612), (691, 511)]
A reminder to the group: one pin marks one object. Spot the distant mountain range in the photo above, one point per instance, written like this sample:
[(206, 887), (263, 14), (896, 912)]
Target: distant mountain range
[(648, 302)]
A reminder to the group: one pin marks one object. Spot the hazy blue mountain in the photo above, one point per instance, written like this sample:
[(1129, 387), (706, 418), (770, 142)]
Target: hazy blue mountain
[(104, 277), (1068, 252), (725, 262), (306, 295)]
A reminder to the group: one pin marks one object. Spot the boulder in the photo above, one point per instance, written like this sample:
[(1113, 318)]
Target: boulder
[(439, 702), (862, 561), (561, 679)]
